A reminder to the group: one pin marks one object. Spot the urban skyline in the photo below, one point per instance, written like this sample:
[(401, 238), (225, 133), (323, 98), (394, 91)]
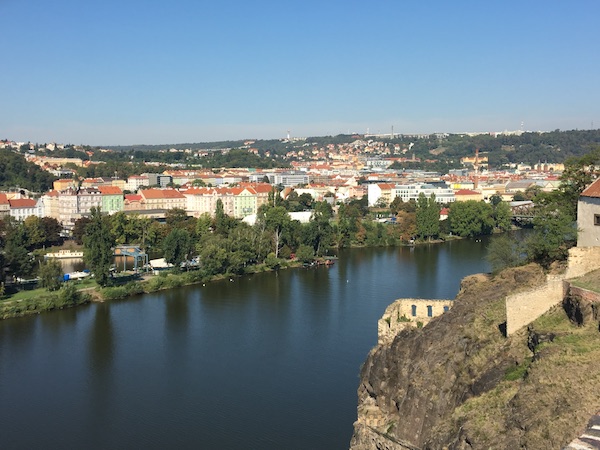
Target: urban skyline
[(123, 73)]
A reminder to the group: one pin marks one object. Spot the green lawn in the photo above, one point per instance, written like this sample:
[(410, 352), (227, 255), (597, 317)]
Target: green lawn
[(590, 281), (35, 293)]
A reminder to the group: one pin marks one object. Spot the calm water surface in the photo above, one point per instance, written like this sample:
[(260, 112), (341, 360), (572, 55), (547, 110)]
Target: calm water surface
[(269, 361)]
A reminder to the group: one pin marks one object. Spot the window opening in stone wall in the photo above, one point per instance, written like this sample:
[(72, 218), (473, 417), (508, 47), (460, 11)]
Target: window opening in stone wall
[(597, 219), (429, 311), (413, 310)]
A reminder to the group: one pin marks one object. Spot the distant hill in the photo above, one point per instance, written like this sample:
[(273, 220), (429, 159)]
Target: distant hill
[(15, 171), (529, 147)]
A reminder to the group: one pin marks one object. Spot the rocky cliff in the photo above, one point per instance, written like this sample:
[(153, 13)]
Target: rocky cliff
[(459, 383)]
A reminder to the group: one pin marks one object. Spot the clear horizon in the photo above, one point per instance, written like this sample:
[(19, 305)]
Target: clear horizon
[(134, 73)]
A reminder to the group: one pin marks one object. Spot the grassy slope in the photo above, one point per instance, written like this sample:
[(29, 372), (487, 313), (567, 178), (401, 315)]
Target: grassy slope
[(545, 400)]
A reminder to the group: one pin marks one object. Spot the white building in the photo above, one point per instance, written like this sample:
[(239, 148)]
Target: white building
[(588, 216), (21, 208), (134, 182), (409, 192)]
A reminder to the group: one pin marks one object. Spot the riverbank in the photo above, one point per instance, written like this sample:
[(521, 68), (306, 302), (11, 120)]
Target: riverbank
[(73, 294), (41, 300)]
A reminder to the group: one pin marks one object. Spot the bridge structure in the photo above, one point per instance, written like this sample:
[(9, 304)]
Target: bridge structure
[(523, 212)]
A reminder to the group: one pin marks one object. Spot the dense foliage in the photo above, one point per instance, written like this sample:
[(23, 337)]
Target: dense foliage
[(15, 171), (98, 247), (555, 218)]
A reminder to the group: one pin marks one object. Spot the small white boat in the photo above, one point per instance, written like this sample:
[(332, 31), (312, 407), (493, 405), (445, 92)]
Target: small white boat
[(76, 275)]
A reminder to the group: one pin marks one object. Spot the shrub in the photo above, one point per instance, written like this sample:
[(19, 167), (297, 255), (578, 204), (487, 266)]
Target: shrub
[(134, 288), (518, 371), (68, 295), (156, 283), (113, 293), (305, 253), (272, 262)]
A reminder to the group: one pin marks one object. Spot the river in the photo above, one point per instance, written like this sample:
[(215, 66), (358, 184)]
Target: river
[(268, 361)]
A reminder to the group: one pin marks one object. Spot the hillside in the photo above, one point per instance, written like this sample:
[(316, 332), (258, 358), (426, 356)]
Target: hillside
[(16, 171), (458, 383)]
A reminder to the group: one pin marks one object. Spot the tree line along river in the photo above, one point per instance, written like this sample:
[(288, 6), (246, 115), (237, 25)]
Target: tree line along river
[(267, 361)]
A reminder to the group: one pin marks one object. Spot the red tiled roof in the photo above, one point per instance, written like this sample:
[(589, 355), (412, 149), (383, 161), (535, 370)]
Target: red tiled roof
[(161, 193), (466, 192), (593, 190), (22, 203), (133, 197), (110, 190), (3, 199), (263, 188)]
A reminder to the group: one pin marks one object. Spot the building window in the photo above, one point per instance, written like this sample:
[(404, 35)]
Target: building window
[(446, 308), (429, 311), (597, 219), (413, 310)]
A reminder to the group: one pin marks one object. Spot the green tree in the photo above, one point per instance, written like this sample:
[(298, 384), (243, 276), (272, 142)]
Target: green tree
[(35, 232), (79, 228), (120, 228), (17, 259), (427, 217), (578, 174), (397, 205), (495, 199), (98, 246), (177, 247), (277, 220), (203, 225), (502, 216), (318, 233), (554, 232), (504, 252), (471, 218), (176, 218), (52, 229), (51, 275), (305, 253), (213, 256), (223, 223)]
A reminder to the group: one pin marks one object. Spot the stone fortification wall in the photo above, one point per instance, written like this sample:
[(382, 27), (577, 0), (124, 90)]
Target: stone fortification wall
[(581, 305), (584, 294), (525, 307), (408, 312), (582, 260)]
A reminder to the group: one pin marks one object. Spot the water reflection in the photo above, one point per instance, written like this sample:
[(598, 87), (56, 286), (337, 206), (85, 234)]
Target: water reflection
[(101, 354), (263, 361), (101, 341)]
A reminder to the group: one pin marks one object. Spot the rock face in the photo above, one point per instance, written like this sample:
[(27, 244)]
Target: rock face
[(459, 383)]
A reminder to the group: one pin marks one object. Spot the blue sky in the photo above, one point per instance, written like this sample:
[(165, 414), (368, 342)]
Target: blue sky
[(149, 72)]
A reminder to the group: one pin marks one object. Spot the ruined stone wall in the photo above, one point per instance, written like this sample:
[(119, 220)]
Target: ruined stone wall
[(582, 260), (399, 315), (584, 294), (523, 308)]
